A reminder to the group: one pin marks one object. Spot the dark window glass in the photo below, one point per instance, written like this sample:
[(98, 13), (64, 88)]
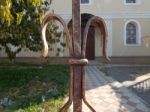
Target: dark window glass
[(130, 1), (131, 33), (85, 1)]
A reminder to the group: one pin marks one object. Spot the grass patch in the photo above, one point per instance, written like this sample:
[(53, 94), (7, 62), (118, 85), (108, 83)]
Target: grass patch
[(32, 88)]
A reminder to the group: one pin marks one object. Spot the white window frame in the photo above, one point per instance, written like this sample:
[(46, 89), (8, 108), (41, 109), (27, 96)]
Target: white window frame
[(138, 2), (138, 30), (90, 2)]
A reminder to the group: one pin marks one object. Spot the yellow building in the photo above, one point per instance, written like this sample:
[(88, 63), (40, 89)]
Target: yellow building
[(127, 21)]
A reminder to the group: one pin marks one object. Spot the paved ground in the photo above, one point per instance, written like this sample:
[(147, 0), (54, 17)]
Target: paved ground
[(135, 77), (107, 95)]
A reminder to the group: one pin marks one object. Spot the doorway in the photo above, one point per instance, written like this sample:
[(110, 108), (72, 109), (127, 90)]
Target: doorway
[(90, 45)]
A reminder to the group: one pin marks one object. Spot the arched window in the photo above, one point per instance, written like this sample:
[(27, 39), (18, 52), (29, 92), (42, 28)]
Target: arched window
[(85, 2), (132, 33), (132, 2)]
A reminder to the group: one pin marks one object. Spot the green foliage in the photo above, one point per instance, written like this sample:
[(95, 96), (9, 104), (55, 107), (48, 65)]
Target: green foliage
[(5, 13), (26, 85), (20, 22)]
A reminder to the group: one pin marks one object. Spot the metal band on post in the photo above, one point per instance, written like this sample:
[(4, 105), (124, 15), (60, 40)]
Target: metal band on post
[(78, 61)]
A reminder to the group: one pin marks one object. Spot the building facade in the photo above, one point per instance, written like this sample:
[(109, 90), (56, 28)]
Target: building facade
[(127, 21)]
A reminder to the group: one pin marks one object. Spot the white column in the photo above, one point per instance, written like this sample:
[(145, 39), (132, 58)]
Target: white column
[(109, 30)]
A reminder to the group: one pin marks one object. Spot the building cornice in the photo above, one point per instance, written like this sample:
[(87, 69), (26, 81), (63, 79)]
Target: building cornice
[(116, 15), (124, 15)]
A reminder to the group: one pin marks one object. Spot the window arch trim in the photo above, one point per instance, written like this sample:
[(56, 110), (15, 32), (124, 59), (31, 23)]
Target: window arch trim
[(138, 33), (90, 2), (138, 2)]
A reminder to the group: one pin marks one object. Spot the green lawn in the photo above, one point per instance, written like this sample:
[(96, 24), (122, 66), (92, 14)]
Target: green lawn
[(29, 88)]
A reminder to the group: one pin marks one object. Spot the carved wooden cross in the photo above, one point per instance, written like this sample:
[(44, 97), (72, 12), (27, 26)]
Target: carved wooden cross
[(77, 49)]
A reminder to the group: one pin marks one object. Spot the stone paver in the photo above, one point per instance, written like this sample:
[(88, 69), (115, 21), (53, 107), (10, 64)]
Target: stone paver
[(135, 77), (107, 95)]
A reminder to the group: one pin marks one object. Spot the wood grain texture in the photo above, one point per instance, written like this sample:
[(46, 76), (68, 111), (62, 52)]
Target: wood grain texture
[(47, 19), (77, 82), (77, 51), (97, 21)]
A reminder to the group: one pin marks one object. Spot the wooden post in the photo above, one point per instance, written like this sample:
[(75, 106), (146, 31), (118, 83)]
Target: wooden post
[(77, 53), (77, 81)]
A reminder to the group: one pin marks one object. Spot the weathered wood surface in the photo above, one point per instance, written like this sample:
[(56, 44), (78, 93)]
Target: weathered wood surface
[(77, 51), (77, 82)]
